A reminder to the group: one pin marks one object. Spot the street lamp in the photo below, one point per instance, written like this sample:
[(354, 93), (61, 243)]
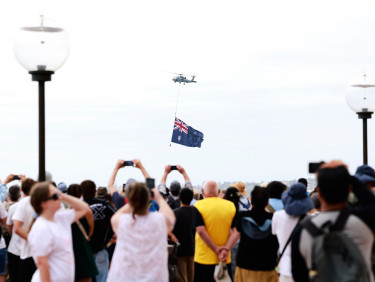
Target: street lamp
[(361, 99), (41, 50)]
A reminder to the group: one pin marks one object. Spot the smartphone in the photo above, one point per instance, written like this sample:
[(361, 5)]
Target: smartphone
[(16, 177), (173, 167), (150, 182), (313, 167), (128, 163)]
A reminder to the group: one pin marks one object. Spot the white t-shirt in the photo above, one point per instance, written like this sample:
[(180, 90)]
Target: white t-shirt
[(354, 228), (141, 253), (54, 239), (16, 241), (282, 226), (3, 214), (24, 213)]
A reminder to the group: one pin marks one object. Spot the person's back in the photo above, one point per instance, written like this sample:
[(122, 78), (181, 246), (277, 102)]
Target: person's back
[(22, 219), (141, 250), (355, 229), (138, 255), (184, 232), (217, 215), (333, 188), (258, 247), (102, 212), (297, 204)]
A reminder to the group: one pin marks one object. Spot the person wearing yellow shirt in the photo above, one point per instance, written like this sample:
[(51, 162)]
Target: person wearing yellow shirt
[(213, 219)]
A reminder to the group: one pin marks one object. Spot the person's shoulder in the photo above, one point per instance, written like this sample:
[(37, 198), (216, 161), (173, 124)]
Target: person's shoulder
[(23, 205), (40, 224), (183, 210), (24, 201), (356, 223), (63, 213), (13, 208), (279, 213)]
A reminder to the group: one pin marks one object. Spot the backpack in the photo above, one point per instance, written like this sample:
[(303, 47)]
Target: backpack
[(335, 257), (245, 206), (253, 230), (174, 204)]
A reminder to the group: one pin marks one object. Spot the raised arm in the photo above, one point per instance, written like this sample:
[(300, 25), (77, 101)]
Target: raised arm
[(81, 208), (162, 186), (4, 189), (138, 164), (116, 217), (186, 177), (111, 183)]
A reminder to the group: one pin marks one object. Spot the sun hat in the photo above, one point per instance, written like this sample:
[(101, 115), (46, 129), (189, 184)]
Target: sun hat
[(62, 187), (365, 174), (241, 188), (295, 200)]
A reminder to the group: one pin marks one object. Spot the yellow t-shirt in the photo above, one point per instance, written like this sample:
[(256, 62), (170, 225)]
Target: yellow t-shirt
[(217, 215)]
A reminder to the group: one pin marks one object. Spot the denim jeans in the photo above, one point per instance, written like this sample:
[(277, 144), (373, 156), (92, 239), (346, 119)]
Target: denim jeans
[(102, 263), (3, 261)]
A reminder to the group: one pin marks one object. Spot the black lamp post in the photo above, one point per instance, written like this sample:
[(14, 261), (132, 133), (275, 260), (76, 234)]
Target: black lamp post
[(41, 76), (364, 116), (41, 50), (361, 99)]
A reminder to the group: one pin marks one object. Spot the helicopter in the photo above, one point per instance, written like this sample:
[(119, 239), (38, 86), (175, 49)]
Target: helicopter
[(181, 78)]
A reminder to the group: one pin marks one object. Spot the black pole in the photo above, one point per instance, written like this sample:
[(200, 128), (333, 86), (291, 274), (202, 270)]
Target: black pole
[(364, 116), (42, 134), (41, 76)]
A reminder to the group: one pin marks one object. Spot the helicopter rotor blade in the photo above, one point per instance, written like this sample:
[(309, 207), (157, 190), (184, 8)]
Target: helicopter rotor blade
[(174, 73)]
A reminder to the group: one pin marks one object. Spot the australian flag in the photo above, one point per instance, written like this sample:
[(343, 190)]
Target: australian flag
[(186, 135)]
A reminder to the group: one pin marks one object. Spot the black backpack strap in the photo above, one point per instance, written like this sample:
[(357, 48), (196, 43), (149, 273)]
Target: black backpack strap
[(341, 220), (291, 236), (311, 228)]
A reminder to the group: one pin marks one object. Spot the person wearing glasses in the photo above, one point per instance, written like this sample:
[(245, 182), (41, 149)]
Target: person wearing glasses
[(50, 237)]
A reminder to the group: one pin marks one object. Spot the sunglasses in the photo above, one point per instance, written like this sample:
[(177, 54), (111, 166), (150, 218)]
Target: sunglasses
[(54, 197)]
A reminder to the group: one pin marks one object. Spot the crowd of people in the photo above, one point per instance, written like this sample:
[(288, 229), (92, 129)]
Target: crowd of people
[(148, 232)]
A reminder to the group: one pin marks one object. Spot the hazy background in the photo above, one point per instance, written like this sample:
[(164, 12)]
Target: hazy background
[(270, 95)]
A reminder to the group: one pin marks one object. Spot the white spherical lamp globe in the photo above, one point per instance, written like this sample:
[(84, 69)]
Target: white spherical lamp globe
[(360, 95), (43, 47)]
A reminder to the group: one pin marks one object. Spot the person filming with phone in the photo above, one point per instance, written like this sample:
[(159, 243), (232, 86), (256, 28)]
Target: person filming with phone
[(175, 187), (141, 251), (119, 198)]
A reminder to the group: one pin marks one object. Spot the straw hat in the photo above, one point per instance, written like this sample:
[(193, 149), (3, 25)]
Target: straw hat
[(241, 188)]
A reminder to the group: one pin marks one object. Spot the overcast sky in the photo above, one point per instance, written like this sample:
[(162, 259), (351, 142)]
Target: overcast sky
[(270, 96)]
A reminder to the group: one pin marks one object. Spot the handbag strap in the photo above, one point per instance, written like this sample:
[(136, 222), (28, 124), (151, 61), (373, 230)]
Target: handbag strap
[(83, 230), (290, 237)]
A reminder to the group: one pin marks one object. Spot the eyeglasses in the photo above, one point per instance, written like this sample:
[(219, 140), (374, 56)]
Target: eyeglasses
[(54, 197)]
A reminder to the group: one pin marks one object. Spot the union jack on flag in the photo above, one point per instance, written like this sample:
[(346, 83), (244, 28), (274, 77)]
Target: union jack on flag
[(185, 135), (180, 125)]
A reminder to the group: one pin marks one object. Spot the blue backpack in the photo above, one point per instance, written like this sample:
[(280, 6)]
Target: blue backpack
[(253, 230)]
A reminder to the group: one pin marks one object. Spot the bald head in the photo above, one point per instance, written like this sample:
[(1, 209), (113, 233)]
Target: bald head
[(210, 189)]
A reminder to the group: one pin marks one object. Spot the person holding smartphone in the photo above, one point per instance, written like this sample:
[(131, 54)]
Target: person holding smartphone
[(141, 251), (175, 187), (119, 198)]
